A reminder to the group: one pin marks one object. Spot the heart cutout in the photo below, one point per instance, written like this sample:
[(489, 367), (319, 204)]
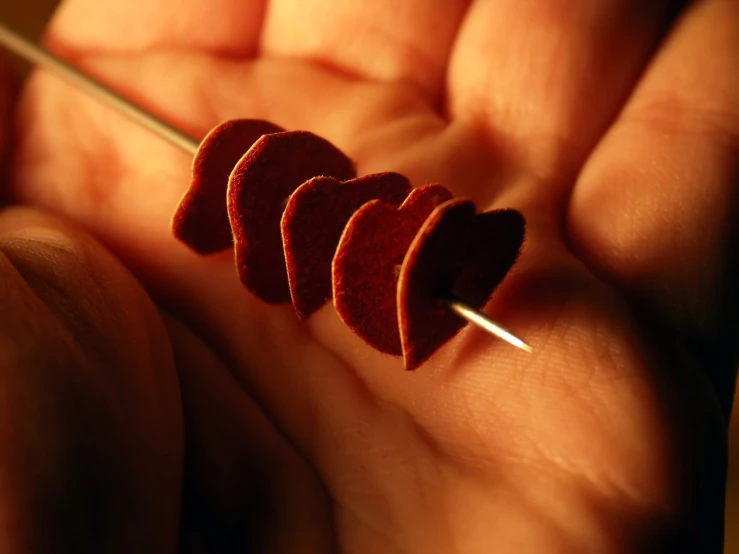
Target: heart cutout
[(365, 268), (201, 218), (312, 225), (258, 190), (456, 251)]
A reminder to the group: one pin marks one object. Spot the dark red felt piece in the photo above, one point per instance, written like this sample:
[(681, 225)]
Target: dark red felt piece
[(458, 252), (313, 222), (367, 262), (201, 219), (258, 190)]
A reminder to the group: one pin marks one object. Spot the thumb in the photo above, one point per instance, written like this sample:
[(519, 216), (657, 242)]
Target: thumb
[(90, 423)]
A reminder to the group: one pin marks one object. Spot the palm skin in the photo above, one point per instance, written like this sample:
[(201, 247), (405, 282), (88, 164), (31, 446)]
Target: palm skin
[(297, 437)]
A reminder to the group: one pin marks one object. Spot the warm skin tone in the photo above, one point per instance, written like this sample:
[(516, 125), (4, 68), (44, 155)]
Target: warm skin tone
[(616, 140)]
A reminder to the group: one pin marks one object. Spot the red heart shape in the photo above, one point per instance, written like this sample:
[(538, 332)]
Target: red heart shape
[(456, 251), (201, 219), (258, 190), (313, 222), (365, 268)]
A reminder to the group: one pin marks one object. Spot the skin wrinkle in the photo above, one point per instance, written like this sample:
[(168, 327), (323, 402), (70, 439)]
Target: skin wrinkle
[(585, 484), (344, 69), (360, 388), (399, 521), (543, 521), (397, 34), (589, 384), (96, 198), (392, 469), (591, 478), (345, 546), (672, 114)]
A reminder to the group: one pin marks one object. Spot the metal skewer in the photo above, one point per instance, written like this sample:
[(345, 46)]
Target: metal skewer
[(476, 317), (33, 53), (37, 55)]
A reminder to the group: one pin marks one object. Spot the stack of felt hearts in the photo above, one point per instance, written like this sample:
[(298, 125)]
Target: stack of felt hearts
[(306, 229)]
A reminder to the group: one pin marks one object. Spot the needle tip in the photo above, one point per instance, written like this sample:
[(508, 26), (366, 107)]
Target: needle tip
[(484, 322), (525, 347)]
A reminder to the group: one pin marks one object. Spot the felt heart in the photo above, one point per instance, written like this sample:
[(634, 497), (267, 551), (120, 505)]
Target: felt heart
[(201, 219), (258, 190), (456, 252), (368, 258), (314, 219)]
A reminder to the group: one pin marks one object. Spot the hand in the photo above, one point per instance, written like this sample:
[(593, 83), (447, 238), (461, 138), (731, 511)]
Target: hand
[(610, 125)]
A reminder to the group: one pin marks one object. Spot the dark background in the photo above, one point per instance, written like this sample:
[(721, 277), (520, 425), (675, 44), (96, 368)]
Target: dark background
[(28, 16)]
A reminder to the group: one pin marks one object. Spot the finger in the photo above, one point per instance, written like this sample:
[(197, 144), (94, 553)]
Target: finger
[(406, 42), (655, 206), (226, 27), (89, 407), (545, 77)]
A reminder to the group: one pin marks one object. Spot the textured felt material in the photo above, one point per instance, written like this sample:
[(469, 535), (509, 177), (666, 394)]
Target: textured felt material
[(367, 261), (201, 219), (314, 219), (258, 190), (459, 252)]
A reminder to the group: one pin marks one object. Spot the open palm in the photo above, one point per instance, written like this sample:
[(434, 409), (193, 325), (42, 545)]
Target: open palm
[(612, 126)]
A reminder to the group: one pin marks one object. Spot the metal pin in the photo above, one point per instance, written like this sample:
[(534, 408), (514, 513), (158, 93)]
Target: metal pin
[(33, 53), (484, 322), (37, 55)]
